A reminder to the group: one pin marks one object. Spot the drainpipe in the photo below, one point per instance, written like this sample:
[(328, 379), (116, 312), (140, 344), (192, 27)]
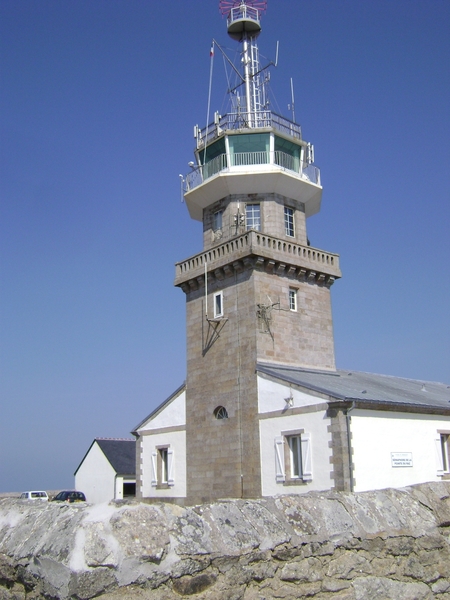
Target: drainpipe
[(349, 445)]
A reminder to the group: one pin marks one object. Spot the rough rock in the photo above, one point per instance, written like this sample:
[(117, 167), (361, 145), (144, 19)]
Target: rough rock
[(389, 544)]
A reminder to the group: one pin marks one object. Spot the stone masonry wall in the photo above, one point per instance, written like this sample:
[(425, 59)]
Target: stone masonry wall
[(272, 218), (389, 544), (223, 453)]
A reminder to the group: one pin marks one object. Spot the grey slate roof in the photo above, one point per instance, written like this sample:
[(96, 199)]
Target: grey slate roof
[(363, 388), (120, 453)]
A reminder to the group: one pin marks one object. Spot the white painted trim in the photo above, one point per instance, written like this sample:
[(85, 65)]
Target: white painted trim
[(279, 459), (307, 473)]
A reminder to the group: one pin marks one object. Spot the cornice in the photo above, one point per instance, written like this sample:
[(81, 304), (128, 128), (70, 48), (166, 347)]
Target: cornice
[(256, 251)]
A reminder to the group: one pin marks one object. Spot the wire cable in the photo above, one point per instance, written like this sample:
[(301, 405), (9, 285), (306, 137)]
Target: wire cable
[(211, 64)]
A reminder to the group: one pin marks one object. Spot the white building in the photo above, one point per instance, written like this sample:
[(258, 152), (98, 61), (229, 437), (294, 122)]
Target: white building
[(107, 471), (161, 453), (391, 432), (264, 411)]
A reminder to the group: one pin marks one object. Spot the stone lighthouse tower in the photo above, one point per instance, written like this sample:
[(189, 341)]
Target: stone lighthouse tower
[(258, 292)]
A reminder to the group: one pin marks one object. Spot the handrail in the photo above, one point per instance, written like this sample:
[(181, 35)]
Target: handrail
[(243, 120), (243, 12), (239, 159)]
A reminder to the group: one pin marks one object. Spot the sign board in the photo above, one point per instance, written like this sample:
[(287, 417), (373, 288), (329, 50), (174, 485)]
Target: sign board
[(401, 459)]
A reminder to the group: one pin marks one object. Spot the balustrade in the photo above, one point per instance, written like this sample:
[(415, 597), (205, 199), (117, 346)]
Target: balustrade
[(252, 241)]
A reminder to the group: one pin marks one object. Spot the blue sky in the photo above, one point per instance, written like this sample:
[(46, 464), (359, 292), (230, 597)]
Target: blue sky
[(98, 103)]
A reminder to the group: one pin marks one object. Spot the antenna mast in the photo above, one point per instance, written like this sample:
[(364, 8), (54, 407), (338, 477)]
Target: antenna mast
[(244, 25)]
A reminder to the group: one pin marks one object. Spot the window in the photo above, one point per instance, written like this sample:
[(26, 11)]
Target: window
[(287, 154), (443, 453), (289, 221), (218, 305), (293, 462), (253, 216), (292, 299), (162, 467), (249, 149), (444, 449), (221, 412), (217, 220), (295, 456)]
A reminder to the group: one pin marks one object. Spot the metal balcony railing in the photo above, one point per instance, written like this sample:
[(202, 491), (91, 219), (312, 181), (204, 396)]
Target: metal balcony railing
[(241, 159), (243, 12), (243, 120)]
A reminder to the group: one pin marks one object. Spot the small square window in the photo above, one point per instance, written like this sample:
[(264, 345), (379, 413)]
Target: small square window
[(218, 305), (289, 221), (292, 299)]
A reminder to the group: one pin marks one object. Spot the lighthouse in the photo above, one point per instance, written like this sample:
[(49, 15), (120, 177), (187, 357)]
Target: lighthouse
[(257, 292)]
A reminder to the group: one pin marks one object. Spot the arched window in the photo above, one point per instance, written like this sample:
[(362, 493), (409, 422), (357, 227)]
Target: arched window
[(221, 412)]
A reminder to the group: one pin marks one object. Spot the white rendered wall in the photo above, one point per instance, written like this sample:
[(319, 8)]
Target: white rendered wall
[(174, 414), (177, 442), (120, 480), (118, 493), (271, 397), (376, 434), (96, 477)]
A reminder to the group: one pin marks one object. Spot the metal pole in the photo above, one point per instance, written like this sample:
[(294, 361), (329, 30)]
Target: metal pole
[(206, 291)]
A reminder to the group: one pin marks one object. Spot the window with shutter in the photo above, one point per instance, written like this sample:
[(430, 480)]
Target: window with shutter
[(162, 467), (293, 457), (442, 445)]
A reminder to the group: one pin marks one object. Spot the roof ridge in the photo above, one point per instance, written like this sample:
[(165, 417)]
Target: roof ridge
[(423, 381), (111, 439)]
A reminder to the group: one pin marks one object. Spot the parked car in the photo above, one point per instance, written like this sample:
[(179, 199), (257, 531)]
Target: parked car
[(34, 496), (69, 496)]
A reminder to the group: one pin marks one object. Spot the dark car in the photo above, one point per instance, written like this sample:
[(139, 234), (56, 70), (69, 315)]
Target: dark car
[(69, 496)]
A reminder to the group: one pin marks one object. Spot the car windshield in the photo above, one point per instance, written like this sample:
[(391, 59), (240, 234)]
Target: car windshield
[(71, 496)]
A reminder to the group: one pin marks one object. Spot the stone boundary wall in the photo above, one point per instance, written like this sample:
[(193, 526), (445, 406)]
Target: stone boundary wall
[(389, 544)]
